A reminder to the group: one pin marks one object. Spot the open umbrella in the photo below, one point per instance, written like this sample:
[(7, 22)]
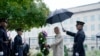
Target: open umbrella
[(58, 16)]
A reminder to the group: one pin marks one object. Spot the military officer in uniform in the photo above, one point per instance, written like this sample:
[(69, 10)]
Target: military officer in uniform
[(18, 45), (79, 37), (4, 40)]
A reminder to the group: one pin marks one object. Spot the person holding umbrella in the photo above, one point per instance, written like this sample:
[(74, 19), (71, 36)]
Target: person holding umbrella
[(79, 37)]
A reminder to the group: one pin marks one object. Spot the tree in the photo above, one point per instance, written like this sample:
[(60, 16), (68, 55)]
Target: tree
[(25, 14)]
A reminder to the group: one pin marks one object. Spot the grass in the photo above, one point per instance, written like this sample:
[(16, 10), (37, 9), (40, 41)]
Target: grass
[(93, 53), (34, 52)]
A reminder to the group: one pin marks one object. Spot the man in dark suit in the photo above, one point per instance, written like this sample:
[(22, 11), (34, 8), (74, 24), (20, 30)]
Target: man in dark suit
[(18, 45), (79, 37), (4, 40)]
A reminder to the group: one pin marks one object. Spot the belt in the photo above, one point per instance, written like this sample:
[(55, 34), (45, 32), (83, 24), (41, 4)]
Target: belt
[(20, 45)]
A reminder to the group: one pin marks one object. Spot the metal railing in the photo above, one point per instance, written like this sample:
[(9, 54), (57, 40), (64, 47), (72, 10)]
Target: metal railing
[(68, 41)]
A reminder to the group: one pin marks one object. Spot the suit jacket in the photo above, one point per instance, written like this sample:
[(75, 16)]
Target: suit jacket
[(57, 46), (79, 38)]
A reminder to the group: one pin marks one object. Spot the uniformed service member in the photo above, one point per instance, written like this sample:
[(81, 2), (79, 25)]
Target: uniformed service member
[(3, 38), (18, 45), (79, 37)]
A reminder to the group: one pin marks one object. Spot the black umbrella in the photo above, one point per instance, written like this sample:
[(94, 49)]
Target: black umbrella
[(58, 16)]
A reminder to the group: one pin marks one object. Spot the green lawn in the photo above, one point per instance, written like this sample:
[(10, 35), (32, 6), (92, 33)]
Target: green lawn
[(93, 53), (33, 52)]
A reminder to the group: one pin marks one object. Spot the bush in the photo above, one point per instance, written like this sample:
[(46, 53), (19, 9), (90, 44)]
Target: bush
[(39, 54), (65, 51)]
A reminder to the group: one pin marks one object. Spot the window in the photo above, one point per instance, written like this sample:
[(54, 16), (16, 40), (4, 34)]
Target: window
[(93, 37), (92, 18), (77, 19), (65, 39), (99, 27), (92, 47), (99, 39), (67, 21), (99, 17), (99, 47), (71, 20), (85, 19), (48, 40), (92, 27), (85, 28), (71, 39), (33, 41), (71, 28)]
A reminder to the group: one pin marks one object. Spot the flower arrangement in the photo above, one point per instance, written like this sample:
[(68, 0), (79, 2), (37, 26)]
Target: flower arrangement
[(42, 41)]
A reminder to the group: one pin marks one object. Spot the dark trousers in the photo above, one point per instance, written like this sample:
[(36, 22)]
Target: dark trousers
[(24, 54), (20, 51), (6, 50), (80, 52)]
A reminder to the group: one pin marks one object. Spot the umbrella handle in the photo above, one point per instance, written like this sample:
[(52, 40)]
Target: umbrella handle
[(60, 21)]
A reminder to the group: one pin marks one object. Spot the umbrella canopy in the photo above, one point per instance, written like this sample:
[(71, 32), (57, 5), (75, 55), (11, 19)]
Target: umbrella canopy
[(58, 16)]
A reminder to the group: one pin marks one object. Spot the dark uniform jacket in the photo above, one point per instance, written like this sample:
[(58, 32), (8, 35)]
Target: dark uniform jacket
[(79, 38), (3, 38), (17, 43)]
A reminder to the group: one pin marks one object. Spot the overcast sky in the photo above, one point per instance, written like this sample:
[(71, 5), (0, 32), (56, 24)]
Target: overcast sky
[(57, 4)]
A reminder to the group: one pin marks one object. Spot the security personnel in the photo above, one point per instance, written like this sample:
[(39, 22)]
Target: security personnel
[(79, 38), (3, 37), (18, 45)]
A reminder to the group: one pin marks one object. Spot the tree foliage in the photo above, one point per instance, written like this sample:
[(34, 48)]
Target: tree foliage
[(25, 14)]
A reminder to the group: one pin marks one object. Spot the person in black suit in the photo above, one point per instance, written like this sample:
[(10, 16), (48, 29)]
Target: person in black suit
[(79, 37), (18, 45), (4, 39)]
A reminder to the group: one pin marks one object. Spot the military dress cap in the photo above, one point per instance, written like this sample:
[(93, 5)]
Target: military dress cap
[(19, 29), (80, 23), (3, 20)]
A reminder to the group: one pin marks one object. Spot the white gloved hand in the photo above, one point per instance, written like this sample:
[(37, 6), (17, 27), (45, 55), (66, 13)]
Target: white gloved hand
[(16, 53), (1, 52), (77, 54)]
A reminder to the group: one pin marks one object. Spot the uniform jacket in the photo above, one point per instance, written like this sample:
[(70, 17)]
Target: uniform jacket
[(79, 38), (3, 38), (17, 42)]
